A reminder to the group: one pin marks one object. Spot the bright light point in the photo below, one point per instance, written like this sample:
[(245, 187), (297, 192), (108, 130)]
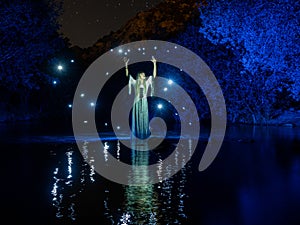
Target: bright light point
[(176, 114), (170, 82), (118, 127), (181, 70), (165, 89), (183, 108), (85, 121), (125, 53), (155, 47), (120, 51), (143, 49), (175, 47), (82, 95), (60, 67), (105, 124), (190, 123), (54, 82), (168, 50), (107, 73), (139, 49), (159, 106), (111, 50), (144, 53), (128, 50), (72, 60), (92, 104), (70, 106)]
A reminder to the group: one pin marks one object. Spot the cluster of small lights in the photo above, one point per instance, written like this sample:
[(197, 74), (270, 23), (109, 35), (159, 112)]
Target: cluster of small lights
[(120, 51), (60, 68), (125, 219), (140, 49)]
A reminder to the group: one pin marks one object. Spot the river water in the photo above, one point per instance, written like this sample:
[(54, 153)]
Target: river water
[(254, 180)]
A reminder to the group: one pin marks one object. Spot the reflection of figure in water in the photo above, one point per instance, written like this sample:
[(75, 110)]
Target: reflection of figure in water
[(141, 200), (140, 115)]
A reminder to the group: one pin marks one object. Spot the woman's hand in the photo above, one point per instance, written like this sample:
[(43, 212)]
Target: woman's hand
[(154, 66), (153, 59), (126, 60)]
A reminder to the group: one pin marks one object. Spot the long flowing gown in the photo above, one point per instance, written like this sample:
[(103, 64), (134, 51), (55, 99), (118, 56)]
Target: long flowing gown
[(140, 114)]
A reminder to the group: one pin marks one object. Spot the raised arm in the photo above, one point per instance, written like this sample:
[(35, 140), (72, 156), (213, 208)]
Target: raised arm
[(126, 60), (154, 66)]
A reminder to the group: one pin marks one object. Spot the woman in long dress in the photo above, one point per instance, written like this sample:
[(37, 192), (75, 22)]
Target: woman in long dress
[(140, 114)]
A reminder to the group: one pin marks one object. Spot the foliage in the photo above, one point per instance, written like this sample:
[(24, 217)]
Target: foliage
[(262, 75), (28, 37)]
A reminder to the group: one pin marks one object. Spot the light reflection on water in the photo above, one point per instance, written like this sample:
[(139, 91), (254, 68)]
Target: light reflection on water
[(254, 180), (151, 203), (143, 204), (62, 183)]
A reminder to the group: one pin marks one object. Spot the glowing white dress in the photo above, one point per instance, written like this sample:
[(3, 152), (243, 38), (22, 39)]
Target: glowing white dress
[(140, 114)]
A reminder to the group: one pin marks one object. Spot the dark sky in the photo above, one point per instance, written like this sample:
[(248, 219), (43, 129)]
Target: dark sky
[(85, 21)]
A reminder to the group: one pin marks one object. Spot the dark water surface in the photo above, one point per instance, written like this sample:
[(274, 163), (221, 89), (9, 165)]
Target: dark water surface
[(255, 180)]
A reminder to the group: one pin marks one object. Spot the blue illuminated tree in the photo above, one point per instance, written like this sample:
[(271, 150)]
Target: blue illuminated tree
[(265, 37), (252, 48), (28, 37)]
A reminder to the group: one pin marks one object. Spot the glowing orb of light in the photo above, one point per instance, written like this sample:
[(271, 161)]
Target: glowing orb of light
[(60, 67), (159, 106), (170, 82)]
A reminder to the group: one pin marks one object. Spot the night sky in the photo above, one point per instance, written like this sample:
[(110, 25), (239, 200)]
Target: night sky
[(84, 22)]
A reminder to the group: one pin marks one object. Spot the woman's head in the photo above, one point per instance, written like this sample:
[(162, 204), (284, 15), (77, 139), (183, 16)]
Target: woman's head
[(142, 75)]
